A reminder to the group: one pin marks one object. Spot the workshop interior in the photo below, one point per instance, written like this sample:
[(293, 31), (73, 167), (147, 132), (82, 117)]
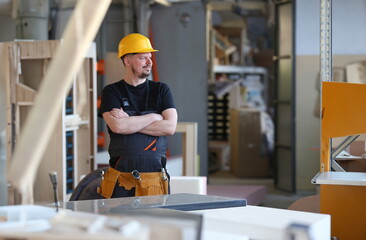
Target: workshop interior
[(271, 131)]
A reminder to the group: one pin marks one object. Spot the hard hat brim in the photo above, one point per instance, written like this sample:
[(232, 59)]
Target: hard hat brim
[(121, 54)]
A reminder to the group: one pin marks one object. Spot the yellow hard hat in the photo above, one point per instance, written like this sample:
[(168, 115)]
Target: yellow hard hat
[(134, 43)]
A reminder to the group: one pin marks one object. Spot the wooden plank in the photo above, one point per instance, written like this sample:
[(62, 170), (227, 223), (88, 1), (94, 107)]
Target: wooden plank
[(14, 69), (189, 130), (24, 94), (38, 49), (93, 103), (5, 50), (84, 104)]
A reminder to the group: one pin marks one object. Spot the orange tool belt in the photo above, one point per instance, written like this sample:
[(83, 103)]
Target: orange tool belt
[(150, 183)]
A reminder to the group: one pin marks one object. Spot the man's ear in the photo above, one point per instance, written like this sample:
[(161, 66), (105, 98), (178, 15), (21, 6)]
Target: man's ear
[(127, 60)]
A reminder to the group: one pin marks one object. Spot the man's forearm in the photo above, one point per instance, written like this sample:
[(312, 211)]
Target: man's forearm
[(150, 124), (160, 128), (132, 124), (164, 127)]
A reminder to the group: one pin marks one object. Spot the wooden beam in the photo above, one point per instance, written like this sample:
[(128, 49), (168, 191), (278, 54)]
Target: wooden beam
[(11, 100)]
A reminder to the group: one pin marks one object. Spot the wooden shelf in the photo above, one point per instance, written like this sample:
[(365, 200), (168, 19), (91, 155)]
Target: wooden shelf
[(340, 178), (25, 66)]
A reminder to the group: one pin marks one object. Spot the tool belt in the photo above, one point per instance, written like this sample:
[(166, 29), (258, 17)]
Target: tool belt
[(145, 184)]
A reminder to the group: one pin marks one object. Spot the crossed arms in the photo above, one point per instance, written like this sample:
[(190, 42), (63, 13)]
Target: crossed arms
[(153, 124)]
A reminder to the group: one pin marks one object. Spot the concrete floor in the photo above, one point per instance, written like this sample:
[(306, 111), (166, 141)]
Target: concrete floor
[(274, 198)]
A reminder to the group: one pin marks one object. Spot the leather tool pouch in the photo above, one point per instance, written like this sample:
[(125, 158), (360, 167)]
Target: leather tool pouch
[(150, 184), (107, 185)]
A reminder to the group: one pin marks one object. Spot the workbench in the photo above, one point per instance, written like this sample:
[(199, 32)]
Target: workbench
[(179, 216), (223, 217), (178, 201), (265, 223)]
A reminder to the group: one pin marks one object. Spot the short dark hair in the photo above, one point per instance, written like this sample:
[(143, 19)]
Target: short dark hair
[(123, 57)]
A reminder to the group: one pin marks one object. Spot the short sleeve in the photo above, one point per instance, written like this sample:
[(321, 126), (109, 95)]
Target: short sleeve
[(167, 100), (110, 99)]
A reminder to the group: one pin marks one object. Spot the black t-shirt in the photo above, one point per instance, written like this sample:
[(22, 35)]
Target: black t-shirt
[(131, 98), (148, 97)]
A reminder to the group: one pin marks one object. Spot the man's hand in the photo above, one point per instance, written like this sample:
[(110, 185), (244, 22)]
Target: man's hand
[(158, 117), (118, 113), (166, 127)]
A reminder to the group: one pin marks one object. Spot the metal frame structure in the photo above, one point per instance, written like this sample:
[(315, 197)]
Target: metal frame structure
[(326, 73), (326, 54), (342, 194)]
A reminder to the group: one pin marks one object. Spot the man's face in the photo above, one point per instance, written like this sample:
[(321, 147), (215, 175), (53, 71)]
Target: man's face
[(141, 64)]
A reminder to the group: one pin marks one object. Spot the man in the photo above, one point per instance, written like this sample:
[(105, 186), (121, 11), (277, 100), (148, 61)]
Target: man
[(139, 114)]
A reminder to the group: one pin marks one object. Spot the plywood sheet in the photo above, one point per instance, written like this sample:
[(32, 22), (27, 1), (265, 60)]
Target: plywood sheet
[(38, 49)]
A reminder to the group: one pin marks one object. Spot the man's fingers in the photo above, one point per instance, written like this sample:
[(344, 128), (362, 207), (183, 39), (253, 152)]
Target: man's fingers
[(118, 113)]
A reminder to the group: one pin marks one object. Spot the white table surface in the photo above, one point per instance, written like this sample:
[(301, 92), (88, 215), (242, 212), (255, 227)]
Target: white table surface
[(341, 178), (264, 223)]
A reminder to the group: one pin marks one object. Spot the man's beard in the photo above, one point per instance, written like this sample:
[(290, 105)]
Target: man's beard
[(144, 75), (141, 75)]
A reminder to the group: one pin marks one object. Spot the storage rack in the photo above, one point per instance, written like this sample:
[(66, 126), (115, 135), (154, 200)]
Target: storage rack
[(72, 147), (342, 194), (218, 117)]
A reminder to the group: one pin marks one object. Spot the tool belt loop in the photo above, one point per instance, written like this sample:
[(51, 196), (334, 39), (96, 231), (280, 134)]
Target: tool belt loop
[(108, 183)]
